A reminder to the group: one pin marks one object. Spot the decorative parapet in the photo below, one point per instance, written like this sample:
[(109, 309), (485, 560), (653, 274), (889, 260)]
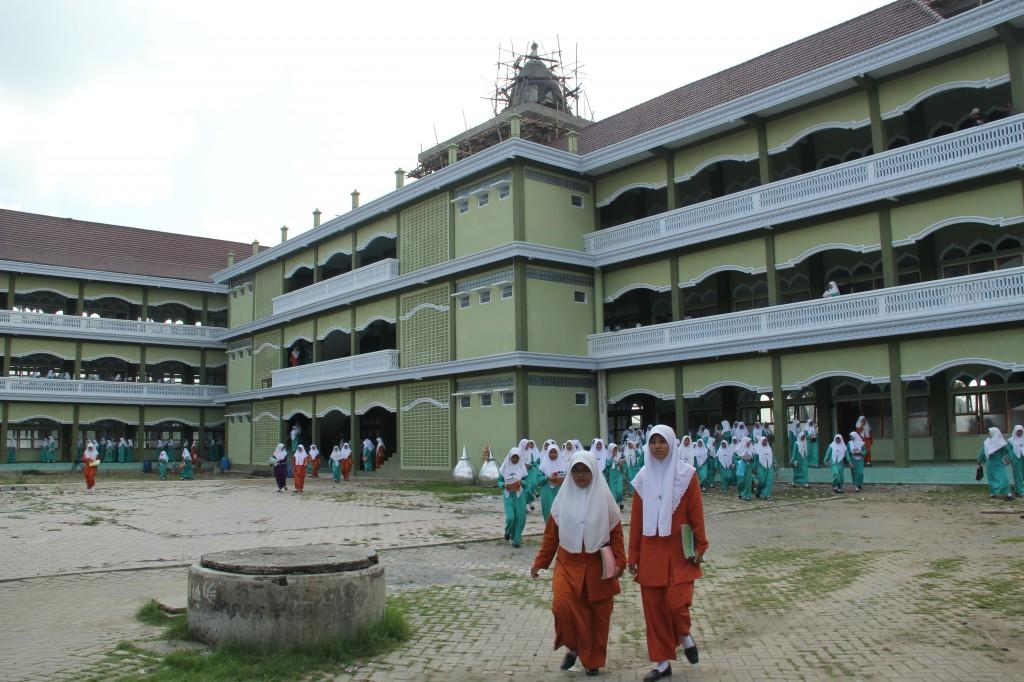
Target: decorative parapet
[(43, 324), (50, 390), (335, 286), (342, 368)]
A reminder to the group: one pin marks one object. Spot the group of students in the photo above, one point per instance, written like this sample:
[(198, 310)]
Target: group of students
[(305, 462), (997, 454), (583, 530)]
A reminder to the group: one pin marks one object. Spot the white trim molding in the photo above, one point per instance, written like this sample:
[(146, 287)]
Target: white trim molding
[(265, 415), (822, 248), (296, 337), (625, 188), (298, 410), (641, 391), (425, 306), (333, 408), (376, 318), (298, 266), (39, 417), (817, 128), (639, 285), (332, 253), (324, 333), (742, 158), (827, 374), (373, 237), (728, 382), (725, 267), (936, 226), (369, 406), (429, 401), (981, 84), (961, 362)]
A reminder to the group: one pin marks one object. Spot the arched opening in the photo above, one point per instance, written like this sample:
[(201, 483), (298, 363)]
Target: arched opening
[(378, 335), (109, 369), (173, 435), (173, 372), (337, 344), (377, 421), (638, 410), (299, 353), (638, 308), (960, 249), (299, 279), (985, 397), (379, 248), (216, 376), (305, 435), (633, 204), (852, 272), (112, 308), (31, 440), (725, 292), (42, 366), (108, 434), (217, 318), (335, 429), (756, 406), (946, 112), (717, 180), (174, 313), (821, 149), (45, 301), (338, 264)]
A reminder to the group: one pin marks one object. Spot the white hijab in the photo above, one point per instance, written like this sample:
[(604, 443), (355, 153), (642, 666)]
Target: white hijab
[(685, 450), (186, 456), (161, 457), (367, 445), (811, 429), (314, 451), (764, 453), (1017, 441), (801, 443), (794, 427), (838, 449), (995, 441), (557, 465), (280, 453), (700, 452), (724, 454), (90, 452), (600, 454), (726, 426), (300, 454), (585, 516), (661, 484), (346, 451), (863, 422), (510, 471), (833, 290), (532, 454), (856, 445), (746, 449), (568, 451), (630, 453)]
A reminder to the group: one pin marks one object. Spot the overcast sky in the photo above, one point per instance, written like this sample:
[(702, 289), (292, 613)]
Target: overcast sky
[(229, 119)]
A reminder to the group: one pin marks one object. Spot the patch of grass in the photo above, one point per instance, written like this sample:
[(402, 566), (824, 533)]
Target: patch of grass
[(92, 521), (241, 663), (944, 567), (175, 625), (1014, 540)]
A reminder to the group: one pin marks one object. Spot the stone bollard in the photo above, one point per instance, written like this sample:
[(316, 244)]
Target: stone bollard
[(284, 595)]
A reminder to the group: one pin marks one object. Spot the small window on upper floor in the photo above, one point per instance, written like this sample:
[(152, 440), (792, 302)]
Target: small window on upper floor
[(462, 205), (464, 401), (508, 398), (464, 301), (576, 200), (483, 199), (504, 191), (582, 399), (485, 400), (485, 296), (579, 296), (506, 291)]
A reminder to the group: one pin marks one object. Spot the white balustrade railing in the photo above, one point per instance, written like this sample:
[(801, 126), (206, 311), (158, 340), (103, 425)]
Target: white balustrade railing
[(341, 284), (877, 308), (342, 368), (903, 163), (70, 388), (61, 324)]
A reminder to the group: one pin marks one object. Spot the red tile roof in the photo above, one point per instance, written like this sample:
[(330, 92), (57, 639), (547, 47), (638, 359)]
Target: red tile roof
[(48, 240), (843, 40)]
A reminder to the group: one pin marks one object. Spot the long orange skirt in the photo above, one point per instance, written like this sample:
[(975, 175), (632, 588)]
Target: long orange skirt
[(581, 625), (300, 477), (90, 476), (667, 614), (346, 467)]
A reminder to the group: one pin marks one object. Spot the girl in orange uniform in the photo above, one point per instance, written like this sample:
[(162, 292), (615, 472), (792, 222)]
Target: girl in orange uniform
[(584, 525), (90, 462), (667, 498)]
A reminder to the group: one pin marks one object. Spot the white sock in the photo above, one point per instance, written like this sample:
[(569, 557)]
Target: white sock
[(662, 667), (686, 642)]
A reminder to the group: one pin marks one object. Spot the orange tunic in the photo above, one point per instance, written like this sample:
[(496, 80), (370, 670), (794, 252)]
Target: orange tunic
[(580, 600), (299, 476), (665, 575), (90, 475)]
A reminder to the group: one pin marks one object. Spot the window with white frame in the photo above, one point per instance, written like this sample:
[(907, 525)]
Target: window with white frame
[(462, 206), (464, 401), (464, 301), (506, 291), (508, 398), (582, 398), (579, 296), (504, 191), (485, 400), (576, 200), (483, 199), (485, 296)]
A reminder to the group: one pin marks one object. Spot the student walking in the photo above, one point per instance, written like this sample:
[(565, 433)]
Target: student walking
[(510, 479)]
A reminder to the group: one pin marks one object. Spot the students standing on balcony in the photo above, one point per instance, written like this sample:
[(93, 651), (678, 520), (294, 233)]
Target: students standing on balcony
[(1017, 459), (510, 479), (832, 290), (661, 555), (995, 454), (863, 428), (799, 454), (835, 457)]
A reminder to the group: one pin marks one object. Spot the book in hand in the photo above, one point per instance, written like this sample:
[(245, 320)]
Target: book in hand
[(686, 536), (608, 566)]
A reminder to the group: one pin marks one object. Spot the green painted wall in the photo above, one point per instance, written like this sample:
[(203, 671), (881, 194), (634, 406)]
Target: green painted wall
[(95, 290), (337, 319), (239, 372), (92, 350), (650, 173), (295, 261), (381, 395), (857, 231), (748, 371), (240, 309), (554, 414), (477, 426), (295, 404), (749, 253), (656, 273), (660, 380), (388, 225), (89, 414), (333, 401), (986, 63), (965, 447), (922, 355), (559, 325), (482, 228), (157, 354), (550, 216), (870, 361), (156, 414), (850, 109), (27, 345), (740, 144), (339, 243), (19, 412), (380, 308), (297, 330), (29, 283), (191, 299), (239, 444), (484, 328), (998, 202)]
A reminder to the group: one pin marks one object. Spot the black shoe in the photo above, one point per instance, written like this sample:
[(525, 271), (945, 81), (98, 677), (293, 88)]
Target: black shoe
[(531, 507), (657, 675), (507, 537), (515, 545), (622, 507), (592, 672), (691, 654), (568, 662)]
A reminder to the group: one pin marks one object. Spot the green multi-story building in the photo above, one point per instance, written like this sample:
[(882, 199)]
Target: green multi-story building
[(555, 277), (109, 332)]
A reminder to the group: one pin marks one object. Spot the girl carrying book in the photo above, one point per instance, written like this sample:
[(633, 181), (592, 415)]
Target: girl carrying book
[(510, 479)]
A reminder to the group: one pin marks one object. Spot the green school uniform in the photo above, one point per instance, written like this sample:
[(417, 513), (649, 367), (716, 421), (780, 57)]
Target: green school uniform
[(744, 476), (515, 512), (799, 463), (995, 470), (616, 476), (837, 468)]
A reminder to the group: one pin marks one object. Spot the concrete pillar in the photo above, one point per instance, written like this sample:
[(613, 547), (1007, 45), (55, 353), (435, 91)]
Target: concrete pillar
[(453, 154), (205, 315), (81, 295), (143, 374), (355, 198), (682, 417), (890, 276), (4, 426), (204, 453), (878, 137), (677, 294), (771, 273), (515, 123), (602, 404), (522, 389), (316, 217), (574, 142), (598, 301), (7, 364), (284, 233), (399, 178), (781, 430), (78, 359), (202, 366), (1012, 37), (76, 430), (897, 394), (939, 409), (522, 321)]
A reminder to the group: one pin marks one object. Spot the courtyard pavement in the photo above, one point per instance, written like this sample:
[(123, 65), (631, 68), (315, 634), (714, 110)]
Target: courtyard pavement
[(898, 582)]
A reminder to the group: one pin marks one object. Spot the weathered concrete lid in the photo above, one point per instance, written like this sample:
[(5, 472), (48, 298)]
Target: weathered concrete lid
[(306, 559)]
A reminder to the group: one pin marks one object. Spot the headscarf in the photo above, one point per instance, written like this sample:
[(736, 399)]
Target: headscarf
[(856, 444), (724, 454), (726, 426), (600, 453), (578, 445), (161, 457), (838, 449), (630, 453), (367, 444), (532, 453), (346, 451), (801, 443), (510, 471), (186, 456), (614, 455), (1017, 441), (833, 290), (300, 454), (568, 450), (746, 448), (280, 454), (661, 484), (757, 432), (764, 453), (811, 429), (740, 429), (685, 450), (995, 441), (700, 452), (794, 427), (550, 466), (335, 454), (90, 452), (585, 516), (862, 421), (314, 451)]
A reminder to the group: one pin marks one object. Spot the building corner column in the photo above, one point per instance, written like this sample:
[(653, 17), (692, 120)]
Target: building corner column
[(898, 401)]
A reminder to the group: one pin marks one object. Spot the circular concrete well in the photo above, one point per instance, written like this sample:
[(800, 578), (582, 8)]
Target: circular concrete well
[(284, 595)]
